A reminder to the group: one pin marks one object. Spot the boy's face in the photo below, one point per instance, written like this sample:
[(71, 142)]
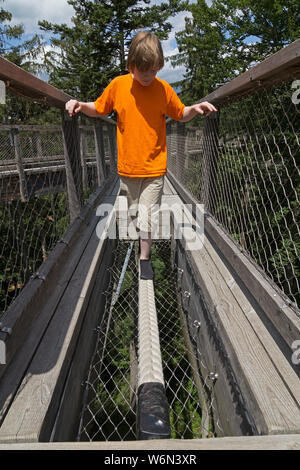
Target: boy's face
[(145, 78)]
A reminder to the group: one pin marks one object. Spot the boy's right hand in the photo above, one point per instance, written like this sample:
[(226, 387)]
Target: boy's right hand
[(73, 107)]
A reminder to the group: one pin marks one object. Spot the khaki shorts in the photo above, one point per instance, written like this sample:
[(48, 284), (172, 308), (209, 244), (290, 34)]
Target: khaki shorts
[(143, 199)]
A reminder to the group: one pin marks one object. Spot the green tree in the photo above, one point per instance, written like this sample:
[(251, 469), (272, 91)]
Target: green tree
[(223, 40), (259, 28), (92, 52), (24, 53), (204, 51), (8, 32), (219, 42)]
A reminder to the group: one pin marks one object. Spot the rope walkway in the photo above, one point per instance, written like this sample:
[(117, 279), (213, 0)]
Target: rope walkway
[(110, 409)]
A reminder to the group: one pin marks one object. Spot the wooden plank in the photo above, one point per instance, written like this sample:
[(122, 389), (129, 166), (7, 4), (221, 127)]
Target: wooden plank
[(275, 409), (279, 442), (227, 407), (287, 58), (281, 363), (24, 83), (6, 163), (43, 308), (278, 310), (32, 414), (284, 318), (20, 80), (21, 313), (116, 189), (67, 420)]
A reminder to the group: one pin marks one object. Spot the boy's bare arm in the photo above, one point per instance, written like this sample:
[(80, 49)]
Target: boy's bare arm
[(190, 112), (73, 107)]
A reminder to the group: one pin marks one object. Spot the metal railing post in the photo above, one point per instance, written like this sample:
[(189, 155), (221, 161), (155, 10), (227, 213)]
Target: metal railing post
[(71, 142)]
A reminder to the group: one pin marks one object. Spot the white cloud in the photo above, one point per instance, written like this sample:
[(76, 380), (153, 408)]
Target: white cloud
[(170, 73), (29, 12)]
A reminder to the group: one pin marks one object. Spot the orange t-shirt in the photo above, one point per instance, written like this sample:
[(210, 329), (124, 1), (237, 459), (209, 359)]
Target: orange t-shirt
[(141, 133)]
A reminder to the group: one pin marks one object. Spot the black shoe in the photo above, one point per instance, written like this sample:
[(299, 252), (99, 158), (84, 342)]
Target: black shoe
[(146, 270)]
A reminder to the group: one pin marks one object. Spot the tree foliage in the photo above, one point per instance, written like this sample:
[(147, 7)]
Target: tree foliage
[(224, 39), (93, 51), (13, 47), (27, 54)]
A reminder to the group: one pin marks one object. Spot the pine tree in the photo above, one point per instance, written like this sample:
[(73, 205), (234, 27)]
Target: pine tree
[(24, 53), (203, 51), (93, 51), (224, 39)]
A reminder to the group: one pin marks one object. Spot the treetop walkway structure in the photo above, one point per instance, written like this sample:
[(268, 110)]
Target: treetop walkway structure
[(205, 356)]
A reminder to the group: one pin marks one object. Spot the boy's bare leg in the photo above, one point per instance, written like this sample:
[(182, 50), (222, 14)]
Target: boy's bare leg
[(146, 270), (145, 247)]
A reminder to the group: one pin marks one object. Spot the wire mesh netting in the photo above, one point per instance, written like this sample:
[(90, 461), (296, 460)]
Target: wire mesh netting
[(109, 411), (243, 164), (41, 189)]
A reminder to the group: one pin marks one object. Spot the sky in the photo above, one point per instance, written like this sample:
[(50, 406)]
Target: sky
[(28, 12)]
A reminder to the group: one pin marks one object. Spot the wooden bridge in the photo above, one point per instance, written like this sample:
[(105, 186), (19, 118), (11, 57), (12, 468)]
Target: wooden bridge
[(238, 329)]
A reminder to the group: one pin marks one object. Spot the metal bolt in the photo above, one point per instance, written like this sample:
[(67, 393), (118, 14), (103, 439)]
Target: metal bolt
[(38, 275), (197, 324), (283, 306), (5, 329), (213, 376), (63, 241)]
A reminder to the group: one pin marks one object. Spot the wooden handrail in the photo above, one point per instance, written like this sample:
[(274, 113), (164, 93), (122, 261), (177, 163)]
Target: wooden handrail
[(279, 67), (25, 84), (282, 65)]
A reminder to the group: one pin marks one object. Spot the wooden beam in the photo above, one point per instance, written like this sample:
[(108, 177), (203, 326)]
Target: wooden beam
[(279, 442), (279, 311), (20, 315), (23, 82), (284, 63), (263, 374), (69, 411), (32, 414)]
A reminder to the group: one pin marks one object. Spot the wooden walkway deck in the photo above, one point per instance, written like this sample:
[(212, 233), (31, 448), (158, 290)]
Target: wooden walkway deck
[(280, 442), (50, 343)]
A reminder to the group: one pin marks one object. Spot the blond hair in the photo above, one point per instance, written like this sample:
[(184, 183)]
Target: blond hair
[(145, 52)]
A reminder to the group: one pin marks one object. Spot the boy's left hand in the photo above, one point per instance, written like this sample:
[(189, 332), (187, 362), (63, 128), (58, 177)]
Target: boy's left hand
[(204, 108)]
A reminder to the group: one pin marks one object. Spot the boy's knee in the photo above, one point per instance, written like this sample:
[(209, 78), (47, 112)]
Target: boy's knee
[(145, 235)]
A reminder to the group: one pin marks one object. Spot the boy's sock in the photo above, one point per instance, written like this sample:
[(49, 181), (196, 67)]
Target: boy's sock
[(146, 270)]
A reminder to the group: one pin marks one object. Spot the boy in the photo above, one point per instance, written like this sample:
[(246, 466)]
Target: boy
[(142, 101)]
